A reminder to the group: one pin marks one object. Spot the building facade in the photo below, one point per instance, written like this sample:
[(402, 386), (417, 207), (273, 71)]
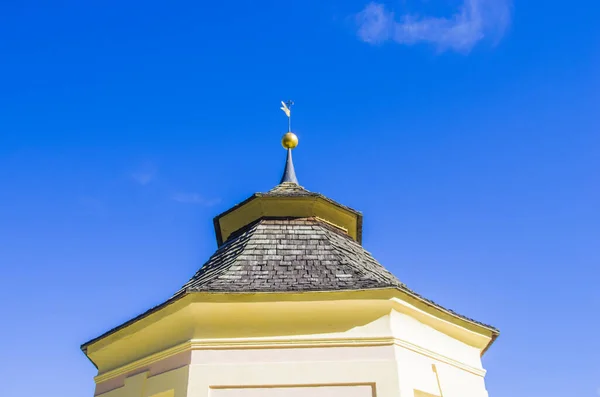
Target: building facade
[(292, 305)]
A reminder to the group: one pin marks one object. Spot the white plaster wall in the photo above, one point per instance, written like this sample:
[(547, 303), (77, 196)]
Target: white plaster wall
[(312, 391), (407, 328), (457, 383), (302, 367), (393, 356), (290, 355), (383, 375), (386, 371), (394, 370), (428, 375)]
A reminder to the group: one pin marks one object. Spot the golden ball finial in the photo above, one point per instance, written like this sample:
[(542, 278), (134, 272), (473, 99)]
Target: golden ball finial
[(289, 140)]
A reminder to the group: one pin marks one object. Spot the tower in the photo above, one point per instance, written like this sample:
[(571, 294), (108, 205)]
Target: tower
[(291, 304)]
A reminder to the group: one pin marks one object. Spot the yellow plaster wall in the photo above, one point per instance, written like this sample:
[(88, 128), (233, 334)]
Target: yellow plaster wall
[(419, 393), (170, 327), (263, 342), (218, 316), (285, 319), (300, 207), (173, 383)]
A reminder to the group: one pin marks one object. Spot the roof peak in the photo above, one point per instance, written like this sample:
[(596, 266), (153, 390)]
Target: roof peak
[(289, 142), (289, 188)]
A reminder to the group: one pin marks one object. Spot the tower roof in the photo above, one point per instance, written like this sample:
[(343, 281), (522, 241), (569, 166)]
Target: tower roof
[(295, 254), (292, 240)]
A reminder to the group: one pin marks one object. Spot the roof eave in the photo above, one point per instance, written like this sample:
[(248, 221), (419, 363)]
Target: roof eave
[(494, 332), (84, 347), (495, 335), (217, 219)]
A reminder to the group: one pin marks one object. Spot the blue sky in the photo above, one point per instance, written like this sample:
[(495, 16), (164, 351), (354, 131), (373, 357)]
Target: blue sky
[(467, 131)]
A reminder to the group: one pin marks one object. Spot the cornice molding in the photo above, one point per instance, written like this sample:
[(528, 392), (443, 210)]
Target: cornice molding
[(440, 357), (281, 343)]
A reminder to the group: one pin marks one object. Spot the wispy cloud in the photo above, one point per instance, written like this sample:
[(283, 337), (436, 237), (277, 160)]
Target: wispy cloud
[(473, 21), (194, 198), (143, 178), (144, 175)]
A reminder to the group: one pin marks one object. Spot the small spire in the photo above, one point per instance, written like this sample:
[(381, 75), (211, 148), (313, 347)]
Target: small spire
[(289, 174), (289, 141)]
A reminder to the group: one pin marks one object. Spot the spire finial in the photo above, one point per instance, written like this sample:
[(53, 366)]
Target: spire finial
[(289, 141)]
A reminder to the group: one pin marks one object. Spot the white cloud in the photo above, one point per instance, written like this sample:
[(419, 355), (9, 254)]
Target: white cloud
[(194, 198), (474, 21)]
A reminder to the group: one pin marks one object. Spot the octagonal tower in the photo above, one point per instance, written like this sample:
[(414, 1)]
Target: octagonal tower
[(290, 305)]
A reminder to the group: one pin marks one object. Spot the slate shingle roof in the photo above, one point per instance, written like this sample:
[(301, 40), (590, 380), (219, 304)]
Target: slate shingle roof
[(295, 255), (285, 255), (289, 255)]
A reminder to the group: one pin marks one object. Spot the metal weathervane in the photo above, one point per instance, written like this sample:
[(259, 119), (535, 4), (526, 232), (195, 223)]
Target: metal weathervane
[(287, 109)]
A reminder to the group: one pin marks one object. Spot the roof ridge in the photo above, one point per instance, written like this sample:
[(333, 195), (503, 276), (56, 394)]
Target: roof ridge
[(205, 272), (389, 275)]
